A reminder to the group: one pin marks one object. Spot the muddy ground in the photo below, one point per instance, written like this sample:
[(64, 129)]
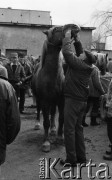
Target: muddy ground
[(22, 161)]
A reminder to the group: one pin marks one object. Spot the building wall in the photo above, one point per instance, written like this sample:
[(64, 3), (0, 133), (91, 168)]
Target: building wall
[(31, 38), (22, 38), (86, 38), (22, 30), (9, 15)]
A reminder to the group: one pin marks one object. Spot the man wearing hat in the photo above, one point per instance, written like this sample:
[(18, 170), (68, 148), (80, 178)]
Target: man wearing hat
[(76, 91), (16, 73), (26, 84)]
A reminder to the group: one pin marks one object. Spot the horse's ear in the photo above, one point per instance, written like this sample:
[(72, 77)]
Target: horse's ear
[(45, 32)]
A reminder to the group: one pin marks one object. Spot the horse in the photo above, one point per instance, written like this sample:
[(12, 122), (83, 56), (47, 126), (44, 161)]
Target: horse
[(102, 61), (47, 83)]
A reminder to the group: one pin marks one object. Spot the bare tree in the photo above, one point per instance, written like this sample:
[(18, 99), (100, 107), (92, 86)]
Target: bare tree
[(103, 21)]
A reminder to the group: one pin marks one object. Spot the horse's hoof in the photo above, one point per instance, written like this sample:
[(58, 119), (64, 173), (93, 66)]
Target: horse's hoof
[(53, 131), (37, 126), (46, 146)]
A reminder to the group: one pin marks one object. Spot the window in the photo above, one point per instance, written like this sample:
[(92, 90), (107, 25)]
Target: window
[(9, 51)]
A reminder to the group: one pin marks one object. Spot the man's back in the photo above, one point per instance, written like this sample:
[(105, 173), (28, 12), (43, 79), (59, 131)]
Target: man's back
[(9, 116)]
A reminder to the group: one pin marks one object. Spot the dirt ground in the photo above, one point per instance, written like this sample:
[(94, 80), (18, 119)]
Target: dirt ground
[(22, 160)]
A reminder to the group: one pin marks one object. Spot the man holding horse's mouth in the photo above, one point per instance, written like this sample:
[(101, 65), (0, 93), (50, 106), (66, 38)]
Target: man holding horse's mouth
[(76, 94)]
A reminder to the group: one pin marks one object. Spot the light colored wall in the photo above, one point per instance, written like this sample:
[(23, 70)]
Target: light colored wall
[(24, 16), (30, 39), (86, 38)]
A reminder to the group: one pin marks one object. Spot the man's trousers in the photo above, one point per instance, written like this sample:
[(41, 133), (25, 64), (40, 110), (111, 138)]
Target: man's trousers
[(73, 131)]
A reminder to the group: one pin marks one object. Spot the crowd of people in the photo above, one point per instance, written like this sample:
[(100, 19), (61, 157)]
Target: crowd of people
[(15, 81), (82, 87)]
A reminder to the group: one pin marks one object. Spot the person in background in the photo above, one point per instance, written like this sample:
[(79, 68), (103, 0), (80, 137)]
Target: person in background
[(3, 70), (76, 93), (108, 119), (95, 92), (9, 114), (109, 67), (108, 155), (16, 73), (25, 85)]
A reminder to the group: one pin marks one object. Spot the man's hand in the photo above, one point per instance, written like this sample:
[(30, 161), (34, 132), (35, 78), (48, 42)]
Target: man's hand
[(76, 36), (68, 33), (73, 27)]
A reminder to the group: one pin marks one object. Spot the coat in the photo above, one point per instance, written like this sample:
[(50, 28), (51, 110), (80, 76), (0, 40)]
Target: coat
[(9, 116), (3, 71), (16, 77), (28, 73)]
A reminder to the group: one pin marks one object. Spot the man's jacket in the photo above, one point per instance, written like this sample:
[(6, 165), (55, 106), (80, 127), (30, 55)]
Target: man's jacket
[(17, 76), (9, 116), (28, 74), (78, 73)]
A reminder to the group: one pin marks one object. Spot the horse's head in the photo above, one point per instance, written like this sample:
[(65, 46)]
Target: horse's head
[(102, 62), (55, 35)]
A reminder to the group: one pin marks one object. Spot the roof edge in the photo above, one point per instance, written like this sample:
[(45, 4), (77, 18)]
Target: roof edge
[(24, 24), (10, 8), (38, 25)]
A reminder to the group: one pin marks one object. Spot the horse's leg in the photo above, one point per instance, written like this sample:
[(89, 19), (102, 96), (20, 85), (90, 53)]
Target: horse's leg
[(46, 124), (37, 122), (52, 119)]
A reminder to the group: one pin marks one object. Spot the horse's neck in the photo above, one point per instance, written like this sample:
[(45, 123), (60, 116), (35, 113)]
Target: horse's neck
[(52, 59)]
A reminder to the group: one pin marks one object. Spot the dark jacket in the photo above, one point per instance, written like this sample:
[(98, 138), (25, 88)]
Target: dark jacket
[(28, 74), (9, 116), (16, 77), (78, 73)]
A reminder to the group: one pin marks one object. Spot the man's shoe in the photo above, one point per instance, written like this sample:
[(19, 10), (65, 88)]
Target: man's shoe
[(108, 158), (85, 124), (67, 163)]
